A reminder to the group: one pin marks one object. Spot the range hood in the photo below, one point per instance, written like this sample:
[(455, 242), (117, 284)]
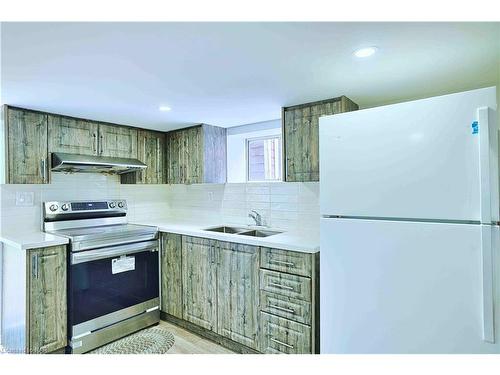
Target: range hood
[(74, 163)]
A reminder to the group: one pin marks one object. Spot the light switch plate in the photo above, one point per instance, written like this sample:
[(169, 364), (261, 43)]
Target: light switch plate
[(25, 198)]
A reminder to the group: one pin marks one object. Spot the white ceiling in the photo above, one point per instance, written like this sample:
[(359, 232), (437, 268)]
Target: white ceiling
[(229, 74)]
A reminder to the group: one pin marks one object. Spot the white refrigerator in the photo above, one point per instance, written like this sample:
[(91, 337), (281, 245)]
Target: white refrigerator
[(409, 228)]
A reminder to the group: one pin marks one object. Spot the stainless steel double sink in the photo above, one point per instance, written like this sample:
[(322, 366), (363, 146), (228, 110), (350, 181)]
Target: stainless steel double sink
[(244, 231)]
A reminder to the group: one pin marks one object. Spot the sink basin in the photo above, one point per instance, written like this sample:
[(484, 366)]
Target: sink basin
[(244, 231), (259, 233), (231, 230)]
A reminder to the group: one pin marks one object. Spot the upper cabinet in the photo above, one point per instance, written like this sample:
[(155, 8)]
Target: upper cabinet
[(117, 141), (151, 151), (72, 135), (301, 136), (196, 155), (26, 147)]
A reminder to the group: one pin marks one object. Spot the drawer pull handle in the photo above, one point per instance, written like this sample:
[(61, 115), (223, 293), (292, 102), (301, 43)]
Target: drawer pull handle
[(291, 311), (281, 343), (282, 262), (279, 286)]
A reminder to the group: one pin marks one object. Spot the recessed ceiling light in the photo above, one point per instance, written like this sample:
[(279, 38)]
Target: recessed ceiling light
[(365, 52), (164, 108)]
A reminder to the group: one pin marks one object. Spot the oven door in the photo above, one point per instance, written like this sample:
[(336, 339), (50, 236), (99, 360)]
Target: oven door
[(112, 284)]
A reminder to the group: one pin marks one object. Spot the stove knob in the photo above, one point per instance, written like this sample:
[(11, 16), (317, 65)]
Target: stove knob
[(120, 204), (112, 204), (54, 207), (65, 207)]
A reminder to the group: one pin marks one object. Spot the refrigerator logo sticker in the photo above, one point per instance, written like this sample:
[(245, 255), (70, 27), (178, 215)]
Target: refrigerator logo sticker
[(475, 127)]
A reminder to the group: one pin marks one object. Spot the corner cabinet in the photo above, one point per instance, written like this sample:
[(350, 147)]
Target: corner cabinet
[(250, 299), (151, 151), (35, 320), (300, 125), (196, 155), (25, 147)]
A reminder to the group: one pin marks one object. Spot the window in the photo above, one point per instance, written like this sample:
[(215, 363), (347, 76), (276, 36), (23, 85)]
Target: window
[(264, 159)]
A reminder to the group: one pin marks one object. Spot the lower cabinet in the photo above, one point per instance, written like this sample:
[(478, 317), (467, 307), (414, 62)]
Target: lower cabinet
[(262, 298), (281, 335), (199, 282), (238, 293), (46, 294), (171, 280)]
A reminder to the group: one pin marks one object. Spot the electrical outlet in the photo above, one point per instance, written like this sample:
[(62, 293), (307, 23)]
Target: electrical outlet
[(210, 196), (25, 198)]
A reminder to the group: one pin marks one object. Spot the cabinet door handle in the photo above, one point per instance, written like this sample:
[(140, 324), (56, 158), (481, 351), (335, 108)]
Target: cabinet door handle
[(288, 264), (158, 161), (279, 286), (101, 143), (281, 343), (34, 266), (291, 311), (94, 143), (43, 170)]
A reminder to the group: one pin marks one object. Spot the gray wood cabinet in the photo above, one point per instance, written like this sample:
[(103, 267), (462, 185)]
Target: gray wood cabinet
[(300, 125), (47, 316), (196, 155), (199, 282), (289, 290), (265, 299), (238, 293), (117, 141), (171, 274), (72, 135), (151, 151), (25, 146)]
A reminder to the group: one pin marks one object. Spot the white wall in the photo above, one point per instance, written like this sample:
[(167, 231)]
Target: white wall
[(236, 146)]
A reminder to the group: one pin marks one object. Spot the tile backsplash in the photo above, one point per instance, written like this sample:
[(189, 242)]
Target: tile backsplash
[(282, 205)]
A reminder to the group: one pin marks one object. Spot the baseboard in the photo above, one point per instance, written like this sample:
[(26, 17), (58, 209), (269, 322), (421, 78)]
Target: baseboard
[(205, 333)]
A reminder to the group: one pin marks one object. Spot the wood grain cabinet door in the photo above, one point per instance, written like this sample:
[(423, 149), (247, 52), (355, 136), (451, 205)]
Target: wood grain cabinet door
[(151, 151), (117, 141), (193, 156), (173, 158), (171, 274), (238, 293), (71, 135), (26, 147), (47, 319), (199, 282), (301, 136)]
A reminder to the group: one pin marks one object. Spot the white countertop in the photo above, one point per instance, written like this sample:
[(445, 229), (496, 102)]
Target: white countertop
[(293, 240), (32, 240), (306, 242)]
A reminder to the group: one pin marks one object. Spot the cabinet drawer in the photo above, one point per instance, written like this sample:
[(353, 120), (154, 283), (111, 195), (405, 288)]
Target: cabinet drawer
[(286, 261), (279, 335), (287, 285), (286, 307)]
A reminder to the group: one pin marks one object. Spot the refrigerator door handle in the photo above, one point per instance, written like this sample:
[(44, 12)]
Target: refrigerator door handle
[(488, 165), (487, 242)]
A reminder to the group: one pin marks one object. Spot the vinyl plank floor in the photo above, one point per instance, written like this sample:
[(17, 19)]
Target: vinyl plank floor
[(188, 343)]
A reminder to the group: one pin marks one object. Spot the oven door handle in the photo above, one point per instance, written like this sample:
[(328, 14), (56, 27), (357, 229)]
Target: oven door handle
[(110, 252)]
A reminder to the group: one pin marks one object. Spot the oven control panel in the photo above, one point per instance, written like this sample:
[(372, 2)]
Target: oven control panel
[(72, 207)]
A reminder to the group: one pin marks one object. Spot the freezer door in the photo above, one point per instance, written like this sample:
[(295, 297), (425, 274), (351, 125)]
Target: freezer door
[(406, 287), (418, 159)]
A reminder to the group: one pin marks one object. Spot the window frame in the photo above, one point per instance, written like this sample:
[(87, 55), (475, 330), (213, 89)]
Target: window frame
[(247, 158)]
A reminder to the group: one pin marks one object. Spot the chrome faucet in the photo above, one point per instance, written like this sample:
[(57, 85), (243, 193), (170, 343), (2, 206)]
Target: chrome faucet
[(256, 216)]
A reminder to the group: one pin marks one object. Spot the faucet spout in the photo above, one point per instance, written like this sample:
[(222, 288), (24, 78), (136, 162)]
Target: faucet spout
[(256, 217)]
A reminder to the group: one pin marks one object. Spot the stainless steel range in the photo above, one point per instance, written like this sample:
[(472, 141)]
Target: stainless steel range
[(113, 274)]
